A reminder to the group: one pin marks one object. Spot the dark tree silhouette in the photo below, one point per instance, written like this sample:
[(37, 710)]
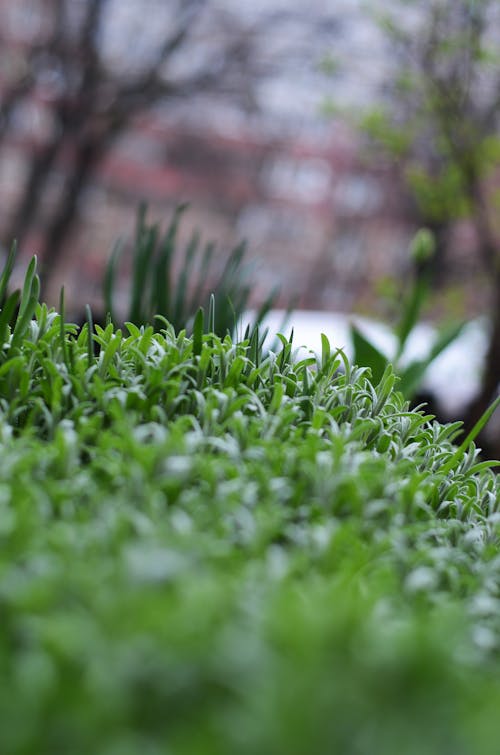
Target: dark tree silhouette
[(95, 99)]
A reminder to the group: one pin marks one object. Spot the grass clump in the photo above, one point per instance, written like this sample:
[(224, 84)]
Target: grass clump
[(205, 549), (173, 283)]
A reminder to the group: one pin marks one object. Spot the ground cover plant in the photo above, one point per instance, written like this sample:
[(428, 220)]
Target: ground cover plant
[(205, 549)]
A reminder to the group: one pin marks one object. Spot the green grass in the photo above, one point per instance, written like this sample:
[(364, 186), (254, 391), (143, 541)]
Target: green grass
[(208, 549)]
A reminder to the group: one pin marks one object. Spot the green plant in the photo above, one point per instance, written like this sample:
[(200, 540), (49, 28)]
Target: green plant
[(173, 286), (442, 132), (414, 297), (206, 548)]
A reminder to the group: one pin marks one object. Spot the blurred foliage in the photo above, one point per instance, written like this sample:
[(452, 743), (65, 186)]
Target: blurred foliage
[(439, 110), (414, 296), (173, 284), (438, 117)]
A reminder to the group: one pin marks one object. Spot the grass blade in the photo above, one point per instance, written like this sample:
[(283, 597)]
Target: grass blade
[(7, 271), (29, 282), (109, 281), (471, 436), (62, 329), (180, 312), (211, 314), (143, 254), (161, 293), (200, 286), (198, 332), (162, 285), (7, 315), (325, 351), (90, 333), (412, 307), (23, 321)]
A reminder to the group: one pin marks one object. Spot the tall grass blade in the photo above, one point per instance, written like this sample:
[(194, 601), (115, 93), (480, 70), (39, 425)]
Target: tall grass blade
[(198, 332), (23, 321), (162, 285), (143, 255), (62, 329), (7, 315), (28, 303), (201, 284), (90, 333), (412, 307), (27, 290), (109, 282), (161, 293), (253, 346), (140, 226), (325, 351), (211, 314), (7, 271), (471, 436), (180, 312)]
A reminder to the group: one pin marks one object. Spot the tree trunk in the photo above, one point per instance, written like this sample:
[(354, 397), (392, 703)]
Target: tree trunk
[(491, 373), (435, 267), (91, 146), (88, 154), (489, 383), (25, 213)]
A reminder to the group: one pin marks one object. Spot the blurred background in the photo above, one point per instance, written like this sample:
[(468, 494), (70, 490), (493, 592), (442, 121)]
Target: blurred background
[(323, 133)]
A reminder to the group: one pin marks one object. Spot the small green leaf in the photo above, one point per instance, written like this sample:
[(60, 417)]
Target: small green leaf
[(23, 321), (325, 351), (28, 290), (7, 315), (109, 352), (368, 355), (198, 332)]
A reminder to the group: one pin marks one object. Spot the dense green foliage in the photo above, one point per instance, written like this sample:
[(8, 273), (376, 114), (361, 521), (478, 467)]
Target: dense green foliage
[(205, 550)]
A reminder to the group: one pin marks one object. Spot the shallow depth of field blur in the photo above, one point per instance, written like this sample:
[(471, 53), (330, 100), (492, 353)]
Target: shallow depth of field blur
[(216, 538), (324, 136)]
